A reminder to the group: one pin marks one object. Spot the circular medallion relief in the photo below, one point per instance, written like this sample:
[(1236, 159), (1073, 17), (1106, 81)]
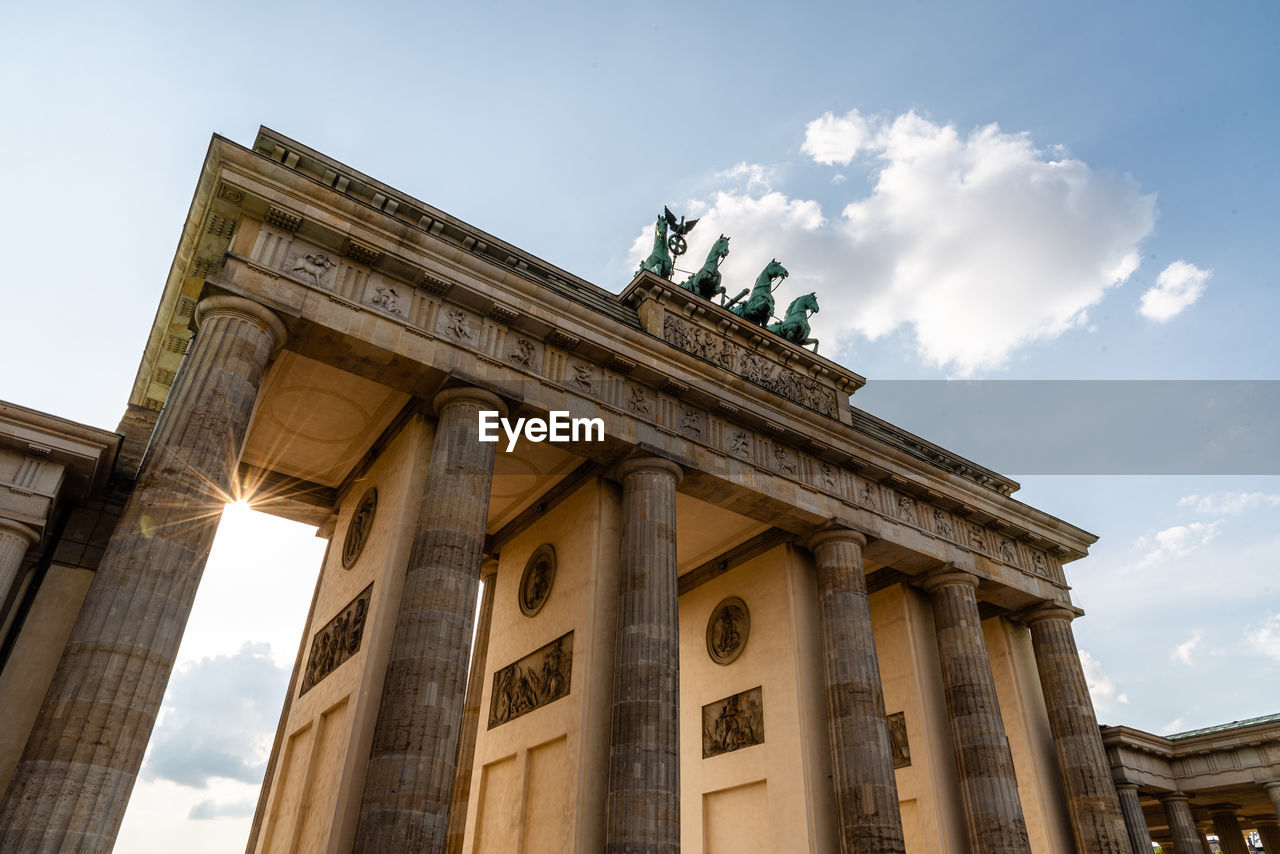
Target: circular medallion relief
[(358, 530), (727, 630), (535, 583)]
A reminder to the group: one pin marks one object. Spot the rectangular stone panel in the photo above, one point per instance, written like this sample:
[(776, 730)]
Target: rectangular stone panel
[(898, 740), (337, 641), (541, 677), (733, 723), (736, 821)]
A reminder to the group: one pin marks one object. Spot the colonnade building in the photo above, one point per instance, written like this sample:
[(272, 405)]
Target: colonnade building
[(750, 617)]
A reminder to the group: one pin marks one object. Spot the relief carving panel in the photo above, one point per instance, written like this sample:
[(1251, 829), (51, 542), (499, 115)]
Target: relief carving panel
[(733, 723), (337, 641), (541, 677)]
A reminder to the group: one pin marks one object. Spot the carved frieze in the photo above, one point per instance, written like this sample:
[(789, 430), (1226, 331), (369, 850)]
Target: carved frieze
[(541, 677), (358, 530), (283, 220), (337, 641), (733, 723), (523, 352), (388, 299), (727, 630), (751, 366), (898, 740), (312, 266)]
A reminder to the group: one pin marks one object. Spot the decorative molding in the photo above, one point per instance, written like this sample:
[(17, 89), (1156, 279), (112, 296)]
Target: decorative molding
[(359, 527), (220, 226), (619, 364), (434, 285), (563, 340), (284, 220), (536, 580), (362, 252), (898, 743), (728, 628), (502, 313), (230, 194)]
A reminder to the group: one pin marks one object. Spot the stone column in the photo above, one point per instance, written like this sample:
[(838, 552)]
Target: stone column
[(988, 788), (471, 712), (1134, 820), (1096, 819), (643, 812), (15, 539), (1273, 790), (71, 787), (1269, 830), (409, 783), (861, 758), (1182, 825), (1230, 835)]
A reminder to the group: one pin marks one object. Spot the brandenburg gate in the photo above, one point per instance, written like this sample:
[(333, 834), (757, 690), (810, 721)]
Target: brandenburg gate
[(733, 612)]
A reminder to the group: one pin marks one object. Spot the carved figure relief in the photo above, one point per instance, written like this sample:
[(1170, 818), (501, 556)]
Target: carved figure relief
[(740, 444), (941, 524), (358, 530), (457, 326), (636, 402), (690, 421), (311, 266), (337, 641), (1008, 553), (898, 740), (827, 474), (975, 537), (733, 723), (727, 630), (782, 459), (581, 376), (1039, 565), (869, 495), (388, 299), (541, 677), (535, 583), (751, 366), (522, 352), (907, 509)]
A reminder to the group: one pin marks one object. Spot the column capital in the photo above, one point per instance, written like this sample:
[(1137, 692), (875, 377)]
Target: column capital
[(1271, 786), (260, 316), (634, 465), (1173, 797), (1126, 787), (946, 576), (467, 394), (1048, 611), (834, 532), (488, 569), (20, 531)]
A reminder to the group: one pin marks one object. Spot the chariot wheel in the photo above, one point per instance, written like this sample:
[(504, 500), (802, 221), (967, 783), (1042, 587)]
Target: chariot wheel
[(676, 243)]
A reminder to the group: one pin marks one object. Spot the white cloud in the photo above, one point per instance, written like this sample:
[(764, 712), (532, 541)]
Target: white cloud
[(830, 140), (1173, 726), (1229, 503), (1266, 638), (1182, 652), (1178, 286), (1101, 687), (977, 244), (1176, 542), (755, 175)]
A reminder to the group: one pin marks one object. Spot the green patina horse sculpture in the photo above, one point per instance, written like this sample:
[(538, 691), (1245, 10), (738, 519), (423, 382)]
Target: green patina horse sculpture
[(659, 260), (795, 325), (706, 282), (759, 306)]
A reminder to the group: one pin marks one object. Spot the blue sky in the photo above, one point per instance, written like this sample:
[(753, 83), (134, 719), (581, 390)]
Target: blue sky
[(974, 190)]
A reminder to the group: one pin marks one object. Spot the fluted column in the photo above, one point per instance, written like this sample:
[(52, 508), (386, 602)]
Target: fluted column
[(15, 539), (1269, 830), (471, 711), (1096, 818), (71, 787), (1230, 836), (1134, 821), (1182, 825), (1273, 790), (643, 812), (988, 788), (410, 778), (861, 758)]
